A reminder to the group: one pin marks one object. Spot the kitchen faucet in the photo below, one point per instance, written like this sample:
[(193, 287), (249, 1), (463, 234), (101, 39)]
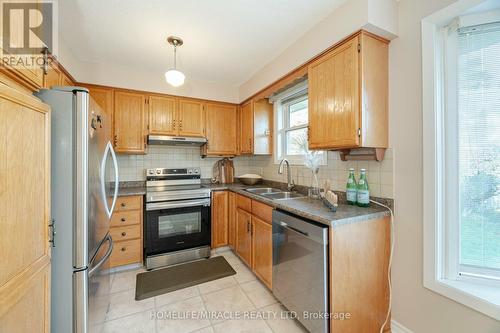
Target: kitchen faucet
[(290, 183)]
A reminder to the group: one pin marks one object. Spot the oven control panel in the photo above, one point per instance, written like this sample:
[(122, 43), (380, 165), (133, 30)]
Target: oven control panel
[(161, 172)]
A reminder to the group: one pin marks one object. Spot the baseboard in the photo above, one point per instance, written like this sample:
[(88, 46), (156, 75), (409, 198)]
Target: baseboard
[(398, 328)]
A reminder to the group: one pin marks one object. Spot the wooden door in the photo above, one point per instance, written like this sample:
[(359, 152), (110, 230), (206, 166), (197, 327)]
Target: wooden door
[(53, 76), (163, 116), (191, 118), (244, 236), (334, 98), (246, 128), (262, 250), (129, 123), (221, 129), (24, 213), (263, 127), (220, 201), (231, 221)]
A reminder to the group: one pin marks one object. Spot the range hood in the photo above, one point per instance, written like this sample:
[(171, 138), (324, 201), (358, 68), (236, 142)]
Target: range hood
[(167, 140)]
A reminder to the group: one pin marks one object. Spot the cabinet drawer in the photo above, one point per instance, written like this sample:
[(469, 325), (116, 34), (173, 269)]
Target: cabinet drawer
[(125, 218), (126, 252), (262, 211), (244, 203), (125, 233), (128, 203)]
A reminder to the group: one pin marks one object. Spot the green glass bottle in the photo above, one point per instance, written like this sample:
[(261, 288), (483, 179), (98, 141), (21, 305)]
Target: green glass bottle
[(363, 197), (351, 188)]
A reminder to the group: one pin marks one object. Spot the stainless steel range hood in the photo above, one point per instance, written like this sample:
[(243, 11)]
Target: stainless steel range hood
[(167, 140)]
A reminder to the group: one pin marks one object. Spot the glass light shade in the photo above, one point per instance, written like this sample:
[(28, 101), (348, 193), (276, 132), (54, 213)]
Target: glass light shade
[(174, 77)]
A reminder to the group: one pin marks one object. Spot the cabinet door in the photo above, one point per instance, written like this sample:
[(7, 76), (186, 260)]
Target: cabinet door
[(53, 77), (334, 98), (163, 115), (128, 121), (231, 222), (65, 80), (244, 236), (246, 128), (104, 98), (219, 218), (262, 127), (191, 118), (25, 213), (221, 126), (262, 250)]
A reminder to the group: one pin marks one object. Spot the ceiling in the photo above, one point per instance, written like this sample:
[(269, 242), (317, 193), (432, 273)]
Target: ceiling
[(225, 41)]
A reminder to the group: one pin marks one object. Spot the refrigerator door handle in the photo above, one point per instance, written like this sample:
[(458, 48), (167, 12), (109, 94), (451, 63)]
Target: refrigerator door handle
[(109, 149), (106, 256)]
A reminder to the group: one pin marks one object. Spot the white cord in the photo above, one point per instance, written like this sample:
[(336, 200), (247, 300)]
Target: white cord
[(390, 264)]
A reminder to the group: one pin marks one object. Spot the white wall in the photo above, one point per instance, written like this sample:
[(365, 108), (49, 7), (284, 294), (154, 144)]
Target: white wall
[(414, 306), (378, 16)]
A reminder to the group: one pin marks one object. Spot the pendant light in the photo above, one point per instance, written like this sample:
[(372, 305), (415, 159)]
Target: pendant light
[(173, 76)]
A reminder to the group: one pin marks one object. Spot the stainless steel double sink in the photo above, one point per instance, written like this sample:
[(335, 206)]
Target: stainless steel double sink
[(274, 193)]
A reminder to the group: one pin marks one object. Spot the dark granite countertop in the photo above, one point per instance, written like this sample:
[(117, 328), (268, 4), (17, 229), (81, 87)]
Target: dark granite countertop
[(312, 209), (305, 207), (132, 188)]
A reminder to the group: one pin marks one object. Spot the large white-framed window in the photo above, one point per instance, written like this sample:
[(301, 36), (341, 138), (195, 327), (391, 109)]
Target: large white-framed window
[(461, 107), (291, 121)]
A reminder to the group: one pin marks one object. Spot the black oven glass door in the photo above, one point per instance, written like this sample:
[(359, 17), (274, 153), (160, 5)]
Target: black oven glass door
[(177, 229)]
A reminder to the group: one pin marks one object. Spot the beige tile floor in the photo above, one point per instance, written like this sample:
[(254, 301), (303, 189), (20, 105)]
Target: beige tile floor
[(239, 294)]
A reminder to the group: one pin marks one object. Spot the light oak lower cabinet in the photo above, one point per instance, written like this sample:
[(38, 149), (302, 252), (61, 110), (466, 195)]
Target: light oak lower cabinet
[(262, 250), (254, 243), (219, 207), (231, 221), (244, 235), (126, 231), (359, 261), (25, 213)]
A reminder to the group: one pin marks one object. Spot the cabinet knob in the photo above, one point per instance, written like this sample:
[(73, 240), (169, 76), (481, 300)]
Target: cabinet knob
[(123, 204), (124, 234), (123, 249), (123, 219)]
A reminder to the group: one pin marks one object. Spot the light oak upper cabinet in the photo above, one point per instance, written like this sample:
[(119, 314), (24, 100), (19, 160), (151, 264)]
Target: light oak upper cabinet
[(220, 201), (191, 118), (221, 130), (103, 97), (256, 123), (25, 248), (163, 116), (129, 122), (348, 95)]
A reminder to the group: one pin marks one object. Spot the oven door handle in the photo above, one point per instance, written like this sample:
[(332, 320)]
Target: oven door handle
[(177, 204)]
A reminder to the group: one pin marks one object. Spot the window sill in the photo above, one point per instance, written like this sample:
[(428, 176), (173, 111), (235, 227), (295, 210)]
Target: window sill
[(482, 298)]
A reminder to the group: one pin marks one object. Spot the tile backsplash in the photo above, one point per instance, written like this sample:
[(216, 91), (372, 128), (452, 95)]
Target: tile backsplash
[(379, 174)]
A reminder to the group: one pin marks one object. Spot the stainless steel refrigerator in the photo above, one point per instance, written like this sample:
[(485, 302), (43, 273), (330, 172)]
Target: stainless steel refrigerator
[(84, 180)]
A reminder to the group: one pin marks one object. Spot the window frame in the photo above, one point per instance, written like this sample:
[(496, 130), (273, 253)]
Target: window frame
[(293, 95), (441, 236)]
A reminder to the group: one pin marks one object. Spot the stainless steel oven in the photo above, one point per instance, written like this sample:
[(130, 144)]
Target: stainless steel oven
[(177, 227)]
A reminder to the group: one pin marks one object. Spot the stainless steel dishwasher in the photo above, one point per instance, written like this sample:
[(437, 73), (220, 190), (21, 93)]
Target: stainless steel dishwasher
[(300, 268)]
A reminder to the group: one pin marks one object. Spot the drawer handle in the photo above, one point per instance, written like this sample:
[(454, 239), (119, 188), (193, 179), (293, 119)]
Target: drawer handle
[(124, 234), (123, 219), (123, 204), (124, 249)]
